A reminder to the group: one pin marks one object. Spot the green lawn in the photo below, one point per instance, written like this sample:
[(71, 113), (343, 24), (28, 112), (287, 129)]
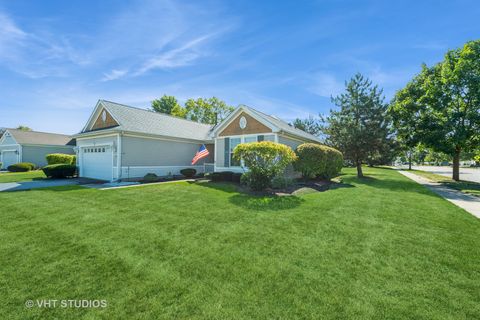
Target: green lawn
[(21, 176), (464, 186), (380, 248)]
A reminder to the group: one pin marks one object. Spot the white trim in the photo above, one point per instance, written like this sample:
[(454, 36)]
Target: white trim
[(20, 153), (231, 118), (47, 145), (96, 134), (88, 126), (9, 145), (294, 138), (119, 156), (275, 139), (4, 137)]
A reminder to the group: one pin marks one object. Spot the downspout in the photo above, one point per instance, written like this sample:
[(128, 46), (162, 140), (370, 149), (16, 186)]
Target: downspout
[(119, 156)]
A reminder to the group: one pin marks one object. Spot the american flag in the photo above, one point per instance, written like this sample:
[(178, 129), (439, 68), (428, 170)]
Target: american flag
[(201, 153)]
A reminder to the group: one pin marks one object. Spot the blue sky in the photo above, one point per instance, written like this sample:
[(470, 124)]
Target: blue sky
[(57, 58)]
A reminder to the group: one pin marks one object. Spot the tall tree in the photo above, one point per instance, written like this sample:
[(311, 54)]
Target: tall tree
[(310, 125), (360, 126), (211, 110), (166, 104), (23, 128), (404, 111), (448, 111)]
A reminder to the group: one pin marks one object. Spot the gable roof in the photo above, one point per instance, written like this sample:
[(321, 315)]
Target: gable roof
[(138, 120), (276, 124), (41, 138)]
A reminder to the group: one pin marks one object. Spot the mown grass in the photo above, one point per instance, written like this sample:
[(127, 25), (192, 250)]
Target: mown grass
[(21, 176), (464, 186), (385, 248)]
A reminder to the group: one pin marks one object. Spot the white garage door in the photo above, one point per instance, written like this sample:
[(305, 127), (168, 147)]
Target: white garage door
[(97, 162), (9, 158)]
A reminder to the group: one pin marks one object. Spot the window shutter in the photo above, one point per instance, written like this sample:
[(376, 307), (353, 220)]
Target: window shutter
[(227, 152), (261, 138)]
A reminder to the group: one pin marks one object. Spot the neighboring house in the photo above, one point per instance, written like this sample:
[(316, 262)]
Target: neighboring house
[(120, 142), (32, 146)]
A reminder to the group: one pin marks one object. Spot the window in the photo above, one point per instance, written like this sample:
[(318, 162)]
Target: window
[(250, 139), (233, 143)]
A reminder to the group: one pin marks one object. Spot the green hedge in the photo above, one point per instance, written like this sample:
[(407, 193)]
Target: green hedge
[(61, 158), (315, 160), (60, 171), (21, 167), (188, 172)]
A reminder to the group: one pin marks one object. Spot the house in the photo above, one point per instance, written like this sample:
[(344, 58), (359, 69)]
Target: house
[(120, 142), (32, 146)]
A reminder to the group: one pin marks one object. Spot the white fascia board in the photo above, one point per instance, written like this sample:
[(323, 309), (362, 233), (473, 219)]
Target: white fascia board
[(250, 112), (4, 136), (90, 119)]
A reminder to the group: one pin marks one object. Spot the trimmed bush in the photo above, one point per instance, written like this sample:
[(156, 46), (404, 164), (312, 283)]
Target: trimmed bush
[(60, 158), (60, 171), (226, 175), (316, 160), (236, 177), (21, 167), (216, 177), (281, 182), (188, 172), (150, 177), (264, 161)]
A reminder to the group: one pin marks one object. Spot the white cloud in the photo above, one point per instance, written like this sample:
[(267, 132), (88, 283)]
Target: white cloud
[(178, 57), (114, 74)]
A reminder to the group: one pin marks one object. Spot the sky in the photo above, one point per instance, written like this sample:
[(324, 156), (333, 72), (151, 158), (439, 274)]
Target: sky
[(285, 58)]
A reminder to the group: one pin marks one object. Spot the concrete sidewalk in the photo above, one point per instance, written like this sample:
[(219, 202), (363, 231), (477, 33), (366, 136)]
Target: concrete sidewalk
[(469, 203)]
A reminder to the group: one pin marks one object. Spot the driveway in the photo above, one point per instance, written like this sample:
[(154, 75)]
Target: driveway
[(467, 174), (28, 185)]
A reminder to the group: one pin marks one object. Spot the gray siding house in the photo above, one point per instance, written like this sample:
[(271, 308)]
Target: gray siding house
[(32, 146), (120, 142)]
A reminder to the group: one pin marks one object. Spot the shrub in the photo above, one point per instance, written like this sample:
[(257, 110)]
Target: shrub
[(226, 176), (60, 158), (216, 177), (315, 160), (21, 167), (281, 182), (150, 177), (60, 170), (237, 177), (264, 160), (188, 172), (245, 179)]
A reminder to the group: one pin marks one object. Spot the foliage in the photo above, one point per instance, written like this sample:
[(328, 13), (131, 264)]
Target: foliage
[(216, 177), (281, 182), (188, 172), (226, 176), (168, 105), (237, 177), (444, 103), (311, 125), (23, 128), (57, 158), (264, 160), (316, 160), (21, 167), (205, 110), (361, 126), (60, 171), (210, 111)]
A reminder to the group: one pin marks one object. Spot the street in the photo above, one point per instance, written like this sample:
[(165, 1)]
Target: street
[(467, 174)]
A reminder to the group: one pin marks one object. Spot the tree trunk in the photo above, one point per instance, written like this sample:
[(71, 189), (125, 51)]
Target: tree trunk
[(456, 164), (359, 169), (410, 161)]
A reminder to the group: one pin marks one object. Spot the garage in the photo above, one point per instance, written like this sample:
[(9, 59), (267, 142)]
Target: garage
[(8, 158), (97, 162)]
